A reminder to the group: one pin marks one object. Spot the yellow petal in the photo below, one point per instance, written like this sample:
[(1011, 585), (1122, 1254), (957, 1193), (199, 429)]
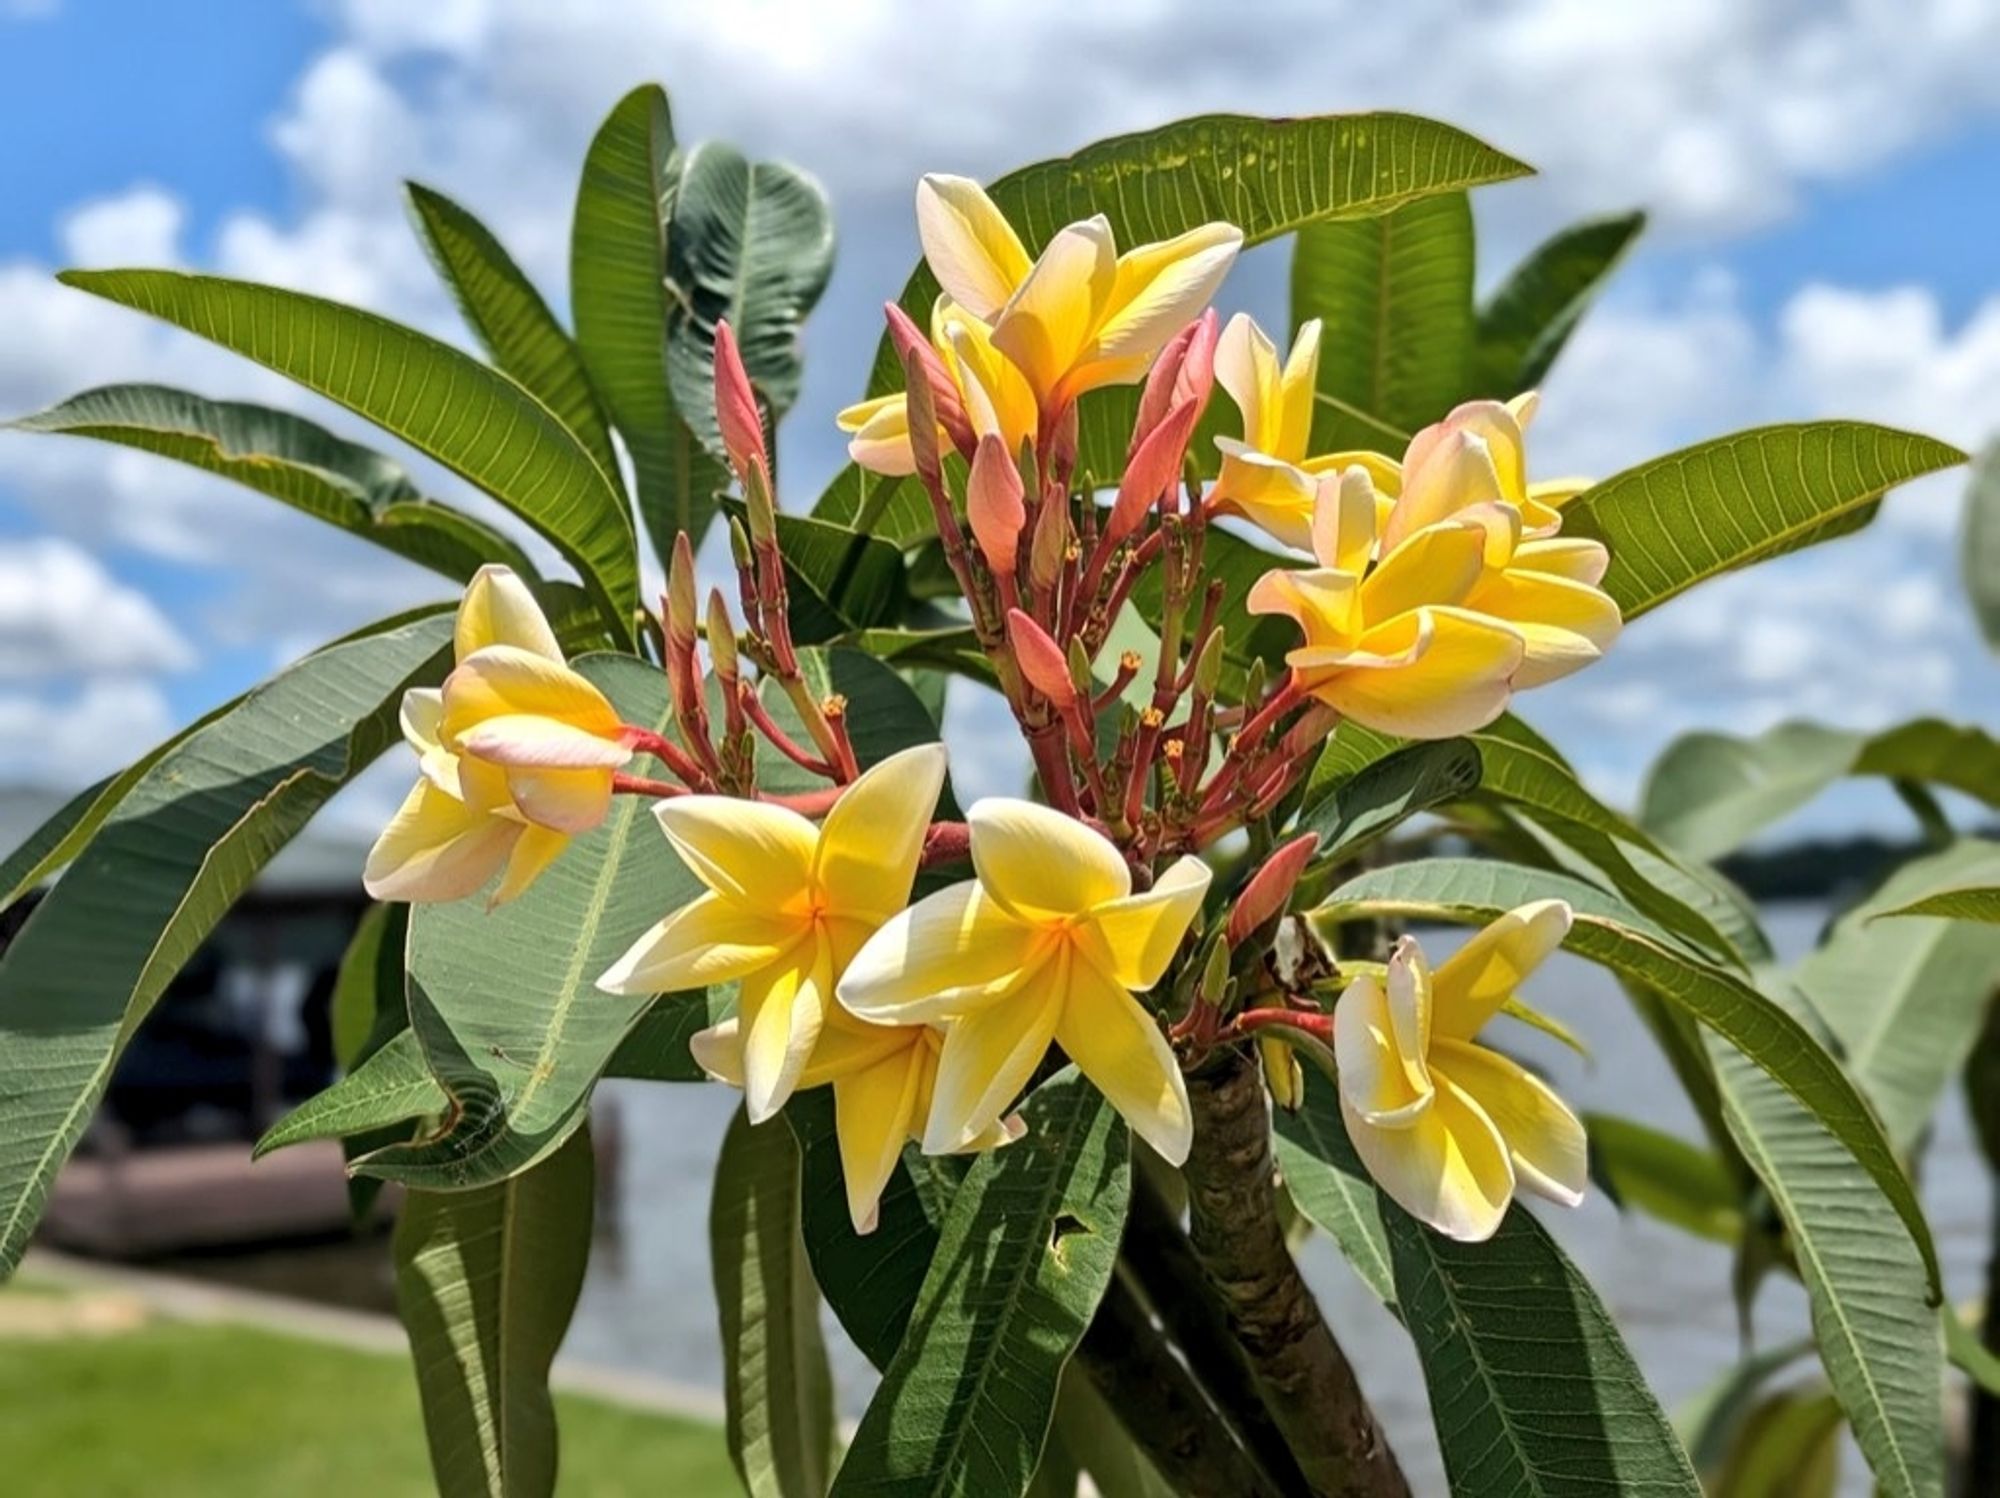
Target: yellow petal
[(1246, 365), (971, 248), (1456, 473), (1343, 519), (1437, 565), (1048, 322), (423, 718), (1553, 494), (499, 609), (1118, 1044), (1379, 1082), (1469, 987), (1271, 494), (1544, 1139), (1160, 288), (1325, 603), (1446, 1167), (1383, 471), (869, 845), (1132, 940), (505, 680), (949, 952), (998, 399), (708, 940), (1460, 681), (881, 436), (568, 801), (872, 1110), (780, 1009), (718, 1050), (436, 848), (1297, 385), (1564, 625), (1035, 862), (545, 743), (847, 1045), (757, 854), (534, 850), (987, 1059), (1563, 556)]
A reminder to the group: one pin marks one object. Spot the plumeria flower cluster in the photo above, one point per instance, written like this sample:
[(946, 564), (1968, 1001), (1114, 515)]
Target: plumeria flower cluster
[(1437, 584)]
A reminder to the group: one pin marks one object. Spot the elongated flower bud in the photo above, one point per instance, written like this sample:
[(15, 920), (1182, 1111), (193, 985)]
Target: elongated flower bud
[(721, 638), (680, 594), (736, 407), (1041, 659), (1270, 887), (1153, 466), (909, 341), (1051, 543), (1185, 371), (994, 505), (1208, 665), (922, 419), (1283, 1075)]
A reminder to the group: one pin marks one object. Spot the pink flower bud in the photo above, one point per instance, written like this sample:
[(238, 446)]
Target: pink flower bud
[(1270, 887), (909, 342), (993, 504), (1154, 466), (736, 406), (1184, 371), (1041, 659)]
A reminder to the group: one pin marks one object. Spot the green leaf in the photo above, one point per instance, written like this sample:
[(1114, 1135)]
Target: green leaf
[(1532, 1389), (291, 460), (505, 1003), (1268, 177), (1026, 1252), (1664, 1175), (1906, 998), (446, 404), (359, 992), (1331, 1186), (1968, 903), (620, 303), (1351, 814), (1979, 555), (1870, 1288), (1708, 1422), (776, 1383), (754, 244), (177, 851), (511, 321), (1614, 934), (1524, 324), (1710, 793), (486, 1282), (393, 1086), (1395, 294), (1787, 1447), (1678, 520), (838, 581), (655, 1049)]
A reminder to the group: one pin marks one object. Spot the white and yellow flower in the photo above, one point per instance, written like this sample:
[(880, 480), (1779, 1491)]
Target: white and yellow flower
[(787, 906), (996, 397), (1081, 315), (516, 751), (1448, 1127), (1048, 943)]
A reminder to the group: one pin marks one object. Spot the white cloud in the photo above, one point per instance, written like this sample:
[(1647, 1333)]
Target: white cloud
[(62, 614), (138, 227), (71, 738)]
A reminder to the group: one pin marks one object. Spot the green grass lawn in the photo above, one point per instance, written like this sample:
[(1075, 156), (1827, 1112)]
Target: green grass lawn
[(179, 1410)]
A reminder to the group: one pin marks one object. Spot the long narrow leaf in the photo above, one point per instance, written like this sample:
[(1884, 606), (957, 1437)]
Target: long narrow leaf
[(1524, 324)]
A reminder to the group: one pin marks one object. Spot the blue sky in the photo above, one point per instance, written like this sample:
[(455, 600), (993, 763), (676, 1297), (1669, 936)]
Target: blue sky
[(1824, 183)]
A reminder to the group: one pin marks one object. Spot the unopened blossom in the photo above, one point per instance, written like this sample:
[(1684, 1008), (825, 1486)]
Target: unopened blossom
[(995, 396), (1048, 943), (1446, 1126), (1081, 315), (787, 905), (516, 751)]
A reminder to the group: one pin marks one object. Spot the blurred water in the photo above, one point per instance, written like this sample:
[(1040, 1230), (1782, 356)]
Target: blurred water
[(648, 1304)]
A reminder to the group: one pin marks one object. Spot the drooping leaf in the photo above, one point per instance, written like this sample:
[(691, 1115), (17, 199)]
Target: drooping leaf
[(1026, 1251), (1524, 324), (1268, 177), (505, 1003), (1979, 552), (776, 1383), (1906, 998), (486, 1282), (1666, 1176), (1352, 813), (1867, 1282), (1788, 1446), (292, 460), (1959, 903), (175, 853), (1329, 1184), (1681, 519), (393, 1086), (511, 321), (619, 302), (1612, 933), (752, 242), (1395, 294), (1709, 1421)]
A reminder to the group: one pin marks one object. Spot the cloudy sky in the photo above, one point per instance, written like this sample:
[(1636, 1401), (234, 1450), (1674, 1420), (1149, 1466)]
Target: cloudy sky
[(1822, 180)]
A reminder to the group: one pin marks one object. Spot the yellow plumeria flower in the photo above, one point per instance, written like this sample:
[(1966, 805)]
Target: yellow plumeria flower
[(1394, 647), (1477, 453), (1048, 943), (1447, 1127), (997, 399), (1082, 315), (883, 1077), (516, 752), (787, 906)]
